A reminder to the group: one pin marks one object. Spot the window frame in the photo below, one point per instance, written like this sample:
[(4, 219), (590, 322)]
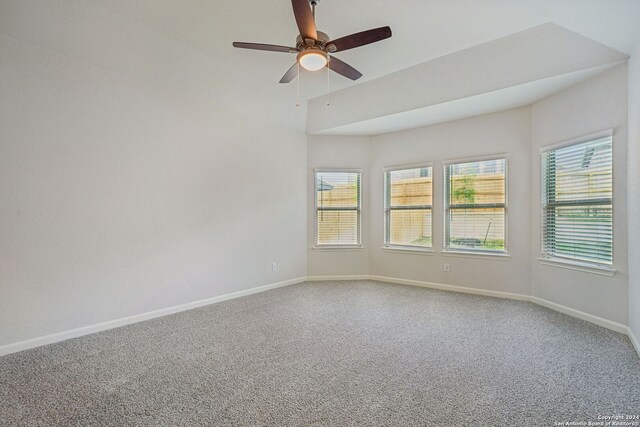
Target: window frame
[(387, 209), (447, 249), (569, 262), (358, 209)]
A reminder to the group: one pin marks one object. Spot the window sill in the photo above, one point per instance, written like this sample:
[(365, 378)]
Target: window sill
[(503, 256), (337, 247), (578, 266), (407, 249)]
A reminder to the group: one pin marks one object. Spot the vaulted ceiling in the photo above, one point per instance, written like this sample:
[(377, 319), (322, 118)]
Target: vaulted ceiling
[(422, 31)]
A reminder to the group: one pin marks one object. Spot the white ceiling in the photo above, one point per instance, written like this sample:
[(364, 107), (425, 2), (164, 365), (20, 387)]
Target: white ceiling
[(511, 71), (422, 30)]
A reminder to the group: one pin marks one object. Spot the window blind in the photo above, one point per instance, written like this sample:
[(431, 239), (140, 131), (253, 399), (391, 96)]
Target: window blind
[(577, 206), (475, 205), (337, 208), (408, 205)]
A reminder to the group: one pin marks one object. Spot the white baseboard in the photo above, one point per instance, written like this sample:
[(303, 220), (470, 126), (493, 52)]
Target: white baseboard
[(74, 333), (609, 324), (634, 340), (337, 278), (452, 288), (431, 285), (85, 330), (618, 327)]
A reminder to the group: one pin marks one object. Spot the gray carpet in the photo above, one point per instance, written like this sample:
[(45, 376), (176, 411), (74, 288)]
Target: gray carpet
[(338, 353)]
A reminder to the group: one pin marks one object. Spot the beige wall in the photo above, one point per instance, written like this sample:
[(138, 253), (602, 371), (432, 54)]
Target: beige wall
[(592, 106), (119, 187), (334, 153), (633, 192), (506, 132)]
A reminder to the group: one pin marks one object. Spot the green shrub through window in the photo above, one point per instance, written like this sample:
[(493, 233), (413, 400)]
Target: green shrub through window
[(476, 205)]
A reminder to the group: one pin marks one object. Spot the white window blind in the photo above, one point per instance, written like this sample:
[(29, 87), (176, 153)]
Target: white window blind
[(476, 205), (408, 203), (337, 208), (577, 207)]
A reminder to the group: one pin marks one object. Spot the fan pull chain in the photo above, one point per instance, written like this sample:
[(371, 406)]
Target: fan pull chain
[(298, 83), (328, 83)]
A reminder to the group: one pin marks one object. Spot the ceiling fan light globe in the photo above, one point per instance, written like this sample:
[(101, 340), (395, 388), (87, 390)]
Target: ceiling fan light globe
[(313, 60)]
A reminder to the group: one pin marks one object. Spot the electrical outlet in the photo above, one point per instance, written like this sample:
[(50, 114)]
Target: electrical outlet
[(274, 267), (446, 268)]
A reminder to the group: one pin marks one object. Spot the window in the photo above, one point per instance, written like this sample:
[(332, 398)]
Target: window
[(476, 205), (407, 207), (577, 207), (337, 208)]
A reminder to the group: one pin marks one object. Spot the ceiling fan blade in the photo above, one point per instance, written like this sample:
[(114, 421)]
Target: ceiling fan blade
[(360, 39), (291, 74), (269, 47), (343, 68), (304, 19)]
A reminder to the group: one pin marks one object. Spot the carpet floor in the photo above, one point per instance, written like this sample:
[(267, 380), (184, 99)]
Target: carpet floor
[(332, 353)]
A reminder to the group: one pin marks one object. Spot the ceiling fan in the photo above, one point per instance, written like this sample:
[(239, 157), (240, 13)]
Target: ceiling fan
[(313, 47)]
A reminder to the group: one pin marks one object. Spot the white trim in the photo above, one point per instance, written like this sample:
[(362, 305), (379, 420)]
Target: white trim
[(338, 247), (337, 278), (452, 288), (103, 326), (585, 138), (78, 332), (408, 249), (606, 133), (446, 203), (634, 340), (411, 166), (503, 256), (609, 324), (358, 208), (431, 285), (480, 158), (337, 170), (578, 266), (386, 202)]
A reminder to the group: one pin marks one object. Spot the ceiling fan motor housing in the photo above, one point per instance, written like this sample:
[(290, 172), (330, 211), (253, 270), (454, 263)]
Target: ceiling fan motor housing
[(321, 42)]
